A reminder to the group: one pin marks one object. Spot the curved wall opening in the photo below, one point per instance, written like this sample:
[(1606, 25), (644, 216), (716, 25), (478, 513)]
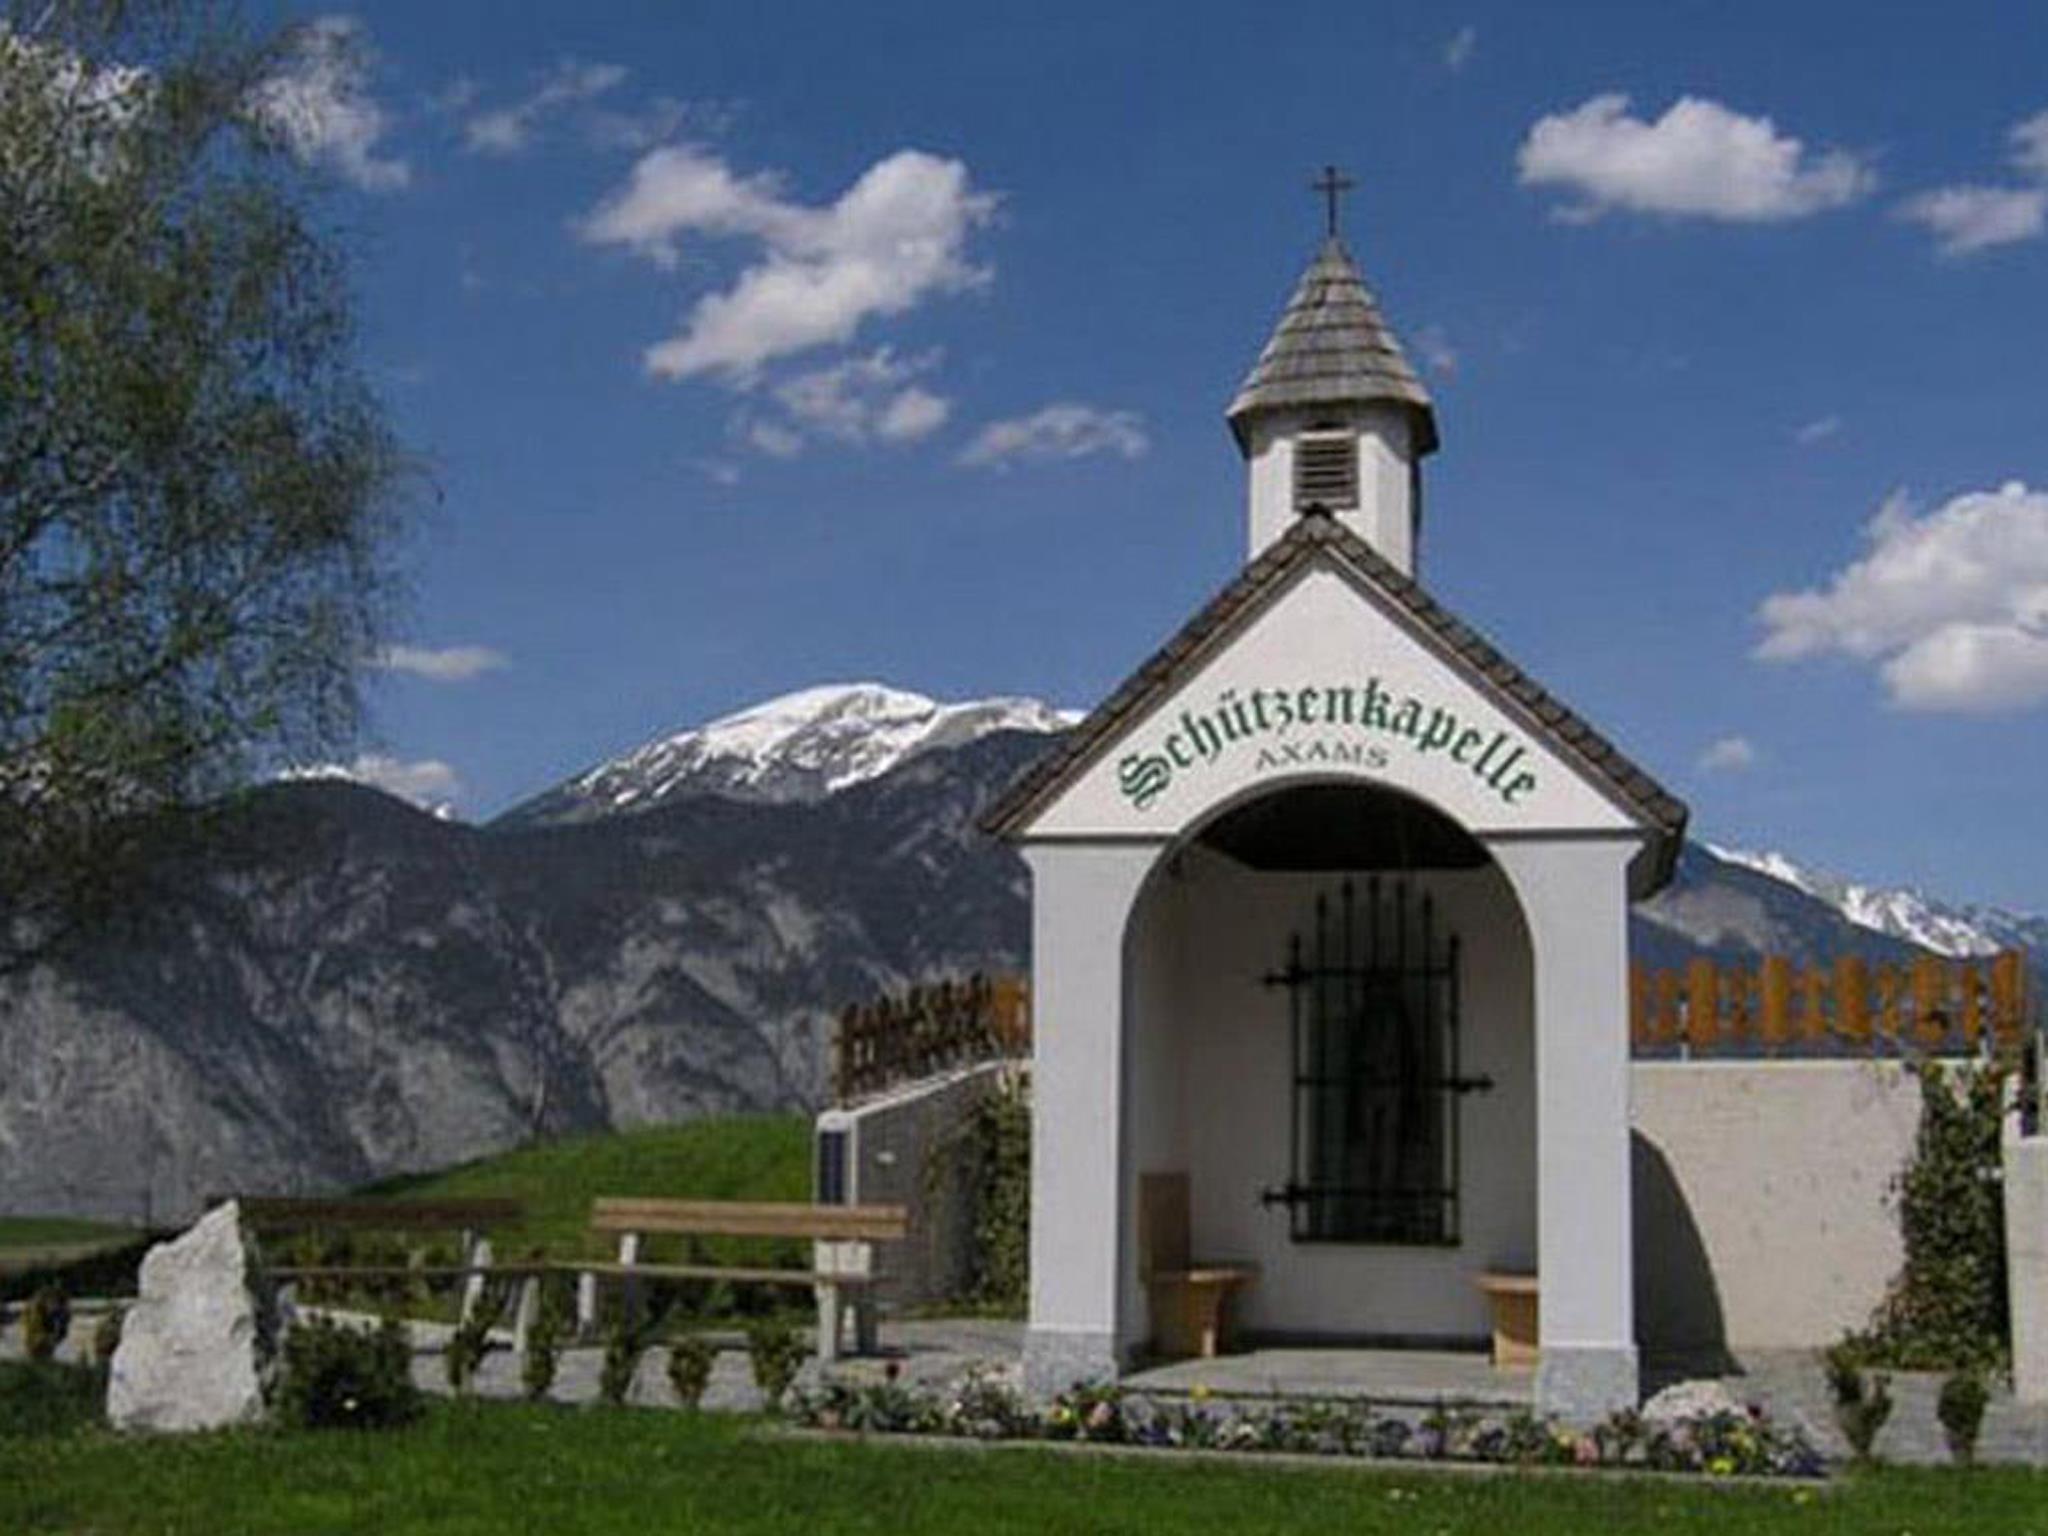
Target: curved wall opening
[(1212, 1060)]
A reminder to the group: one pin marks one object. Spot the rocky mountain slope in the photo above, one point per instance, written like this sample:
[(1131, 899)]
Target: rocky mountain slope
[(343, 987)]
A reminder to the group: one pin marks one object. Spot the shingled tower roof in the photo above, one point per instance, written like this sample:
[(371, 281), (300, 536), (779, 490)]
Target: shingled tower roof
[(1332, 347)]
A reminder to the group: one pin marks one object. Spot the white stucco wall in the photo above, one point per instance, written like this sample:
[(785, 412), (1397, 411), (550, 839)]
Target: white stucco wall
[(1385, 515), (1209, 1060), (1762, 1198), (2026, 1258)]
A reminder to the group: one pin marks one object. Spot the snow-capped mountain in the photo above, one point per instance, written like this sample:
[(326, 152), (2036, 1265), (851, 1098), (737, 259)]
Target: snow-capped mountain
[(1901, 912), (796, 749), (666, 935)]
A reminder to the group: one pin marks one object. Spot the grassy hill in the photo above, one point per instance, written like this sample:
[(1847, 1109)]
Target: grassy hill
[(735, 1157), (18, 1233)]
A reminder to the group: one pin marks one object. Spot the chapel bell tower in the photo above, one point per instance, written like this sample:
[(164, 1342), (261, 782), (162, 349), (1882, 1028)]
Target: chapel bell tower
[(1332, 414)]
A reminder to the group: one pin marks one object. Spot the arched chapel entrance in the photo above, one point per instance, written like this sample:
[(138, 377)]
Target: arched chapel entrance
[(1328, 1034)]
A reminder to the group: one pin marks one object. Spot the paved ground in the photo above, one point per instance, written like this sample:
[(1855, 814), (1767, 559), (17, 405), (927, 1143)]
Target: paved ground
[(1394, 1376), (934, 1351)]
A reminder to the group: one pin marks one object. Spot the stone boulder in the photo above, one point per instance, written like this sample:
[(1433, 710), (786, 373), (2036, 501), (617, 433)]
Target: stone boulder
[(199, 1347), (1690, 1400)]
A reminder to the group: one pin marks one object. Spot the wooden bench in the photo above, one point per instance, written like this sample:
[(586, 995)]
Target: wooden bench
[(1190, 1300), (842, 1239), (470, 1220), (1512, 1299)]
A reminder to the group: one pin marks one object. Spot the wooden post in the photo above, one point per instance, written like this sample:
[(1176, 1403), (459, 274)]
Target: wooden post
[(1930, 1001), (629, 1288), (2008, 997), (476, 1254), (1667, 1008), (1777, 1001), (527, 1315), (1890, 989), (1702, 1005), (1639, 1005), (1813, 1004), (1973, 1004), (586, 1304), (1852, 999)]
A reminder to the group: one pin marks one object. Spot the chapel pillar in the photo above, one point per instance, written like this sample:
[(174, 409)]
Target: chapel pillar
[(1081, 902), (1574, 898)]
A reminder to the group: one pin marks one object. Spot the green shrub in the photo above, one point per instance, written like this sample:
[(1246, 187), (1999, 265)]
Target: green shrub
[(1946, 1308), (544, 1343), (338, 1377), (689, 1368), (1862, 1404), (106, 1337), (624, 1344), (466, 1350), (777, 1353), (1961, 1411), (44, 1323)]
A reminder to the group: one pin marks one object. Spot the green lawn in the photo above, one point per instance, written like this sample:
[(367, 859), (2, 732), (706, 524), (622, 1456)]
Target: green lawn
[(732, 1157), (497, 1469)]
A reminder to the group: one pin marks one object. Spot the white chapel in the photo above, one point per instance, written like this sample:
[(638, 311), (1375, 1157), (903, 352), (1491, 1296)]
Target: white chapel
[(1329, 944)]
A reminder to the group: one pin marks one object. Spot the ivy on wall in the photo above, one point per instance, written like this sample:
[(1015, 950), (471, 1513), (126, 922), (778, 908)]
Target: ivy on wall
[(1947, 1306), (991, 1148)]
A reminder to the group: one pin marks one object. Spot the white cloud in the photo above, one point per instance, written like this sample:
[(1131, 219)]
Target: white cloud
[(720, 471), (1699, 159), (1458, 51), (507, 130), (428, 783), (896, 237), (1061, 431), (773, 438), (2030, 146), (319, 103), (657, 121), (1953, 605), (1819, 430), (1965, 220), (1728, 754), (913, 414), (449, 664), (859, 399), (1438, 355)]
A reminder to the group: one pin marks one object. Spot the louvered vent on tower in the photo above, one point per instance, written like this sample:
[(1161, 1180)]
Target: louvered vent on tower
[(1326, 472)]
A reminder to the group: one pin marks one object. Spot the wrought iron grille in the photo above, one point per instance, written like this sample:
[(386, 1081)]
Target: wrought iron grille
[(1373, 1005)]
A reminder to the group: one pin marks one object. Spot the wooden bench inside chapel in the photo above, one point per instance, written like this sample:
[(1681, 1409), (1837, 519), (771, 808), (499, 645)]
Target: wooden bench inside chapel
[(1512, 1300), (1191, 1299), (841, 1273)]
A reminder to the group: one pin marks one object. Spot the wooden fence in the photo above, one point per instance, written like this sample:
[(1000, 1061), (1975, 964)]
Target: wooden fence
[(1931, 1006), (928, 1030)]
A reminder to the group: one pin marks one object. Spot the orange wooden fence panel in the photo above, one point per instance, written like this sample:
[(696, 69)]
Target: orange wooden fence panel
[(929, 1029), (1931, 1005)]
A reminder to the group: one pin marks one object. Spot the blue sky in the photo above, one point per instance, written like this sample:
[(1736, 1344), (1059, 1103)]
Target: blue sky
[(755, 347)]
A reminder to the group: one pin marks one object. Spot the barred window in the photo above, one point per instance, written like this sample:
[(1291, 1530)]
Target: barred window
[(1376, 1074)]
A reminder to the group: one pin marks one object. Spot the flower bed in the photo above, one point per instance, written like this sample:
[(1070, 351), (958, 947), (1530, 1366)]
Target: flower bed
[(1745, 1444)]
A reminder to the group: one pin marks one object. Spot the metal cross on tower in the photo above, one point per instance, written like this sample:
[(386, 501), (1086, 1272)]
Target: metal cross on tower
[(1333, 185)]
